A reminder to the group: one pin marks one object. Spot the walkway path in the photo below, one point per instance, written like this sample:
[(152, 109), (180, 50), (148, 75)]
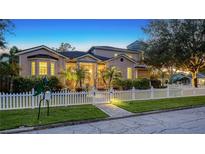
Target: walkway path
[(181, 121), (112, 110)]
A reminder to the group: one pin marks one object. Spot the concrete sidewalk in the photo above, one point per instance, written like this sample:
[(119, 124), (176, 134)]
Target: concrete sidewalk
[(113, 111)]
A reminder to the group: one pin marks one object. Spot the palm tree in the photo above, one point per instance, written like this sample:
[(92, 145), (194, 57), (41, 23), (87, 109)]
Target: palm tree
[(109, 75), (76, 76), (81, 74), (70, 77), (69, 74), (11, 67), (12, 58)]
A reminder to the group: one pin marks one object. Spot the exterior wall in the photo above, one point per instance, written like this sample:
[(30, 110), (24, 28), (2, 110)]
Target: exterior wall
[(143, 73), (136, 56), (25, 63), (122, 66)]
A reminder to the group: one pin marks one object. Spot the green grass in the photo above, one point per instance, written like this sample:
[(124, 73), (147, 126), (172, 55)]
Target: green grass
[(28, 117), (160, 104)]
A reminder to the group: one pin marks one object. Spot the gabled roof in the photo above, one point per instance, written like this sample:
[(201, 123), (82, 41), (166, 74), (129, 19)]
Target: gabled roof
[(38, 48), (122, 55), (109, 48)]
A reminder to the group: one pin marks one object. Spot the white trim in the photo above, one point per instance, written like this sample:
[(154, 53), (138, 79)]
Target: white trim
[(121, 55), (48, 59), (89, 56), (40, 47)]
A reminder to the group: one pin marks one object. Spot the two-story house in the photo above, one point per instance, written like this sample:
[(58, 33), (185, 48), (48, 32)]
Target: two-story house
[(42, 60)]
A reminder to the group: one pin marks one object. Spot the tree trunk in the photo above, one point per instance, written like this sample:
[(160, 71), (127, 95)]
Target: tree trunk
[(11, 84), (80, 83), (194, 79)]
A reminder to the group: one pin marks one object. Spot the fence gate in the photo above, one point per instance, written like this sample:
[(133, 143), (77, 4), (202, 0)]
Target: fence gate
[(101, 97)]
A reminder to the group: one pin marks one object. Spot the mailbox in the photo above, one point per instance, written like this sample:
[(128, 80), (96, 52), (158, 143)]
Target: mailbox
[(47, 95)]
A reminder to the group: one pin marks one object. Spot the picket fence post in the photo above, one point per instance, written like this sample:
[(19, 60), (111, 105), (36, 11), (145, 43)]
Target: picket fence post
[(182, 91), (133, 93), (32, 98), (168, 91), (0, 102), (152, 92), (194, 91), (111, 91), (93, 92)]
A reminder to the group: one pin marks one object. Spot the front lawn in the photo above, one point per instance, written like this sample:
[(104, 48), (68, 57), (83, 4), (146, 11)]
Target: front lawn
[(160, 104), (28, 117)]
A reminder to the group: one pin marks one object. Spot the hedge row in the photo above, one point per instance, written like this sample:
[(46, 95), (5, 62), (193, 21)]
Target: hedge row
[(127, 84), (21, 84)]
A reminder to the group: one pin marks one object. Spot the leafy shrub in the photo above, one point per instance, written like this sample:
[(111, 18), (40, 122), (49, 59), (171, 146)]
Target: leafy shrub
[(21, 84), (141, 84), (127, 84), (54, 84), (156, 83), (122, 84), (117, 84)]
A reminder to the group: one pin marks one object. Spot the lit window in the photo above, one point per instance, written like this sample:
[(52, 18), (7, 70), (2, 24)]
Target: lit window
[(43, 68), (52, 69), (115, 54), (136, 74), (129, 73), (71, 66), (33, 68)]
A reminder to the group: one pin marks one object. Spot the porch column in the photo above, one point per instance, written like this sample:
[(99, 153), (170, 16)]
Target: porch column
[(96, 76), (78, 65)]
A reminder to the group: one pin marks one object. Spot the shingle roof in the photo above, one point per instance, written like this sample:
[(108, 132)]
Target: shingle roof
[(73, 54), (76, 54), (100, 57), (109, 48)]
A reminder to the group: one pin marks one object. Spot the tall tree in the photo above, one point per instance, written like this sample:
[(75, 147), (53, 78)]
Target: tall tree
[(189, 43), (65, 47), (176, 43), (12, 58), (6, 26), (81, 74)]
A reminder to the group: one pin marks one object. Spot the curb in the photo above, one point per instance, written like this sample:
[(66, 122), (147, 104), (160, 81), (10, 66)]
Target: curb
[(70, 123)]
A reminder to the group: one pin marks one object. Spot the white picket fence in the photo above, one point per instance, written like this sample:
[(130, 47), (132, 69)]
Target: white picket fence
[(65, 98)]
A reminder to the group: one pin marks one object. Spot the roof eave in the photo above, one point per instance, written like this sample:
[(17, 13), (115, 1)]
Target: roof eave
[(40, 47)]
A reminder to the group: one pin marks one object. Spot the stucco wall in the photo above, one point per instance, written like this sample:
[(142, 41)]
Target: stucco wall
[(122, 66), (25, 63)]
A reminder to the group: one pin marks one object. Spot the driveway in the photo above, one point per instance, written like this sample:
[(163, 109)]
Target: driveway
[(174, 122)]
